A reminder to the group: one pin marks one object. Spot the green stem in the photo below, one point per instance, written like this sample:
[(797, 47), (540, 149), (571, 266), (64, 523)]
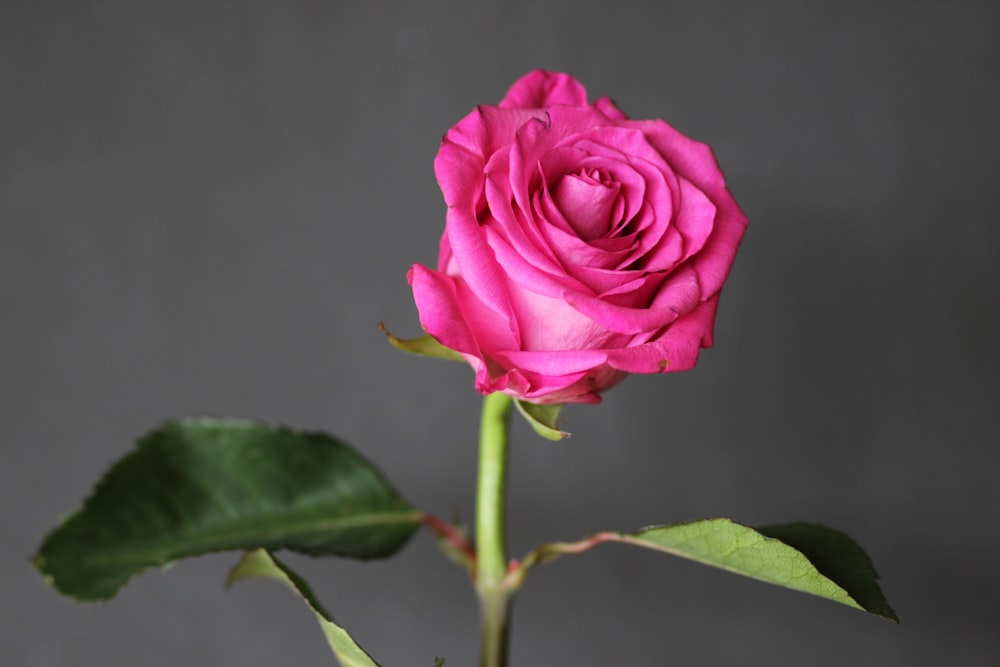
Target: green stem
[(491, 556)]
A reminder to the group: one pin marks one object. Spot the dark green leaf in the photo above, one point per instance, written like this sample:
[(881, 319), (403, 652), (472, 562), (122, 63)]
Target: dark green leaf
[(839, 558), (260, 563), (200, 485)]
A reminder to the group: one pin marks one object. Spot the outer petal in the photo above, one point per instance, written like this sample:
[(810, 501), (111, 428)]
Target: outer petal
[(607, 106), (714, 260), (486, 129), (440, 314), (676, 350), (443, 318), (541, 89), (696, 162), (558, 362), (693, 159), (576, 388), (679, 295)]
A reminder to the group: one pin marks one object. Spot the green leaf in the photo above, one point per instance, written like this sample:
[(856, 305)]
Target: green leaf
[(260, 563), (201, 485), (426, 346), (543, 418), (840, 559), (800, 556), (742, 550)]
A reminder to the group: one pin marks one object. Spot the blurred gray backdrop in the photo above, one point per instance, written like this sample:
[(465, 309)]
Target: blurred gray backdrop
[(208, 207)]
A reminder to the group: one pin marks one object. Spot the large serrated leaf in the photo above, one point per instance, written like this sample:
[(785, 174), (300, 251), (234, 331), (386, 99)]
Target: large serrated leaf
[(260, 563), (201, 485), (843, 573)]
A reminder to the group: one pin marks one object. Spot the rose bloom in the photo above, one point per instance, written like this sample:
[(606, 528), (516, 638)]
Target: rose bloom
[(579, 246)]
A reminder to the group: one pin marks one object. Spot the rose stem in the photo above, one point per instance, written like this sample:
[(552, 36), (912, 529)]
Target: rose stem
[(491, 561)]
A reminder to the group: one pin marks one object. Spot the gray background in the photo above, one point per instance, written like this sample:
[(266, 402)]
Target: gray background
[(207, 207)]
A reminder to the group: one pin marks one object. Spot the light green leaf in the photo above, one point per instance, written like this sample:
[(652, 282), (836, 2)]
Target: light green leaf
[(260, 563), (742, 550), (426, 346), (803, 557), (201, 485), (543, 418)]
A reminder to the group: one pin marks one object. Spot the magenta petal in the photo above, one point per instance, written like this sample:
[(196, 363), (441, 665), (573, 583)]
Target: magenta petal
[(676, 350), (449, 312), (537, 277), (693, 159), (475, 259), (461, 178), (678, 295), (555, 362), (485, 130), (715, 260), (586, 203), (540, 388), (439, 312), (575, 253), (691, 227), (541, 89), (441, 316), (608, 107)]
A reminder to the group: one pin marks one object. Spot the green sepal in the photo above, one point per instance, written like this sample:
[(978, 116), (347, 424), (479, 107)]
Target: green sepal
[(262, 564), (425, 346), (543, 418), (201, 485)]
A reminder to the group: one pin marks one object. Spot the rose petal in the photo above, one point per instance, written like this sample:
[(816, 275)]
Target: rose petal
[(538, 388), (554, 362), (586, 203), (541, 89), (608, 107), (516, 226), (715, 259), (564, 327), (486, 129), (691, 158), (677, 349), (679, 294), (573, 252), (537, 276), (442, 317), (690, 228)]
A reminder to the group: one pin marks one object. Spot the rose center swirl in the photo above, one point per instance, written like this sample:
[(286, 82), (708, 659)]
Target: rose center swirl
[(590, 201)]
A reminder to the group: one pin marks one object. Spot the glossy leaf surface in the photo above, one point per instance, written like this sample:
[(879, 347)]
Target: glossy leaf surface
[(201, 485)]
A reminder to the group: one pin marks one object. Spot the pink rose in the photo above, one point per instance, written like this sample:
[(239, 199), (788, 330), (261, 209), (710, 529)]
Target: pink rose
[(579, 246)]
